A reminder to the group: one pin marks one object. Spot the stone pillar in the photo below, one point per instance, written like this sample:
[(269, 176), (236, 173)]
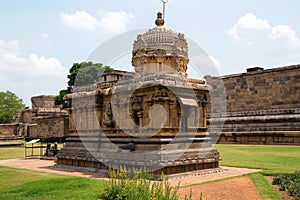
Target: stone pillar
[(166, 106), (141, 121), (200, 120), (88, 119), (204, 105), (179, 120), (77, 118), (93, 118), (169, 115), (83, 118), (71, 119), (196, 116)]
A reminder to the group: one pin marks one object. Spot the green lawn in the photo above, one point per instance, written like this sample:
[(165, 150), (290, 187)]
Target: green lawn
[(19, 151), (25, 184), (271, 159), (11, 152)]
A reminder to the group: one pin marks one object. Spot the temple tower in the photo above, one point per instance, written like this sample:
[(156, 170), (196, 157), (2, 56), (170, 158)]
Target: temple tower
[(160, 50)]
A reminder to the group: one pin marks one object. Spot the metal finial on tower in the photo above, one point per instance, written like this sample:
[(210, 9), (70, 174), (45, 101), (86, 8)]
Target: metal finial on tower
[(164, 7)]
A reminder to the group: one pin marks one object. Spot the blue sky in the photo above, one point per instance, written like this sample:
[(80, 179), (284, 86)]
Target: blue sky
[(39, 40)]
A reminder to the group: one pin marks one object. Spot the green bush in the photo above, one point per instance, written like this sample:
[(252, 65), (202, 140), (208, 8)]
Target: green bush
[(289, 182), (0, 131), (139, 187)]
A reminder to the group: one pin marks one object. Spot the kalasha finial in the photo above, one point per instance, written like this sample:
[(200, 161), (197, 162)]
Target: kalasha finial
[(159, 21)]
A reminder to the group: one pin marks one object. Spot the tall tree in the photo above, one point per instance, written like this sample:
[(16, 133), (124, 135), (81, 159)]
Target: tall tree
[(9, 104), (83, 73)]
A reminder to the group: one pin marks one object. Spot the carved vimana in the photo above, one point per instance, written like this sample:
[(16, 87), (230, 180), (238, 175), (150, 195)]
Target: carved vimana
[(153, 119)]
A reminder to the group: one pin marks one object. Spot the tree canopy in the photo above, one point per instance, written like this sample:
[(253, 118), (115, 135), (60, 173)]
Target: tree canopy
[(9, 104), (83, 73)]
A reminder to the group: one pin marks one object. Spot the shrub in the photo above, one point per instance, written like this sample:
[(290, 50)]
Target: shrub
[(289, 182), (0, 131), (139, 187)]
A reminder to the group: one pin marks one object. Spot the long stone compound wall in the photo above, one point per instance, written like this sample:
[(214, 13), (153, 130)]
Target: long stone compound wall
[(262, 106)]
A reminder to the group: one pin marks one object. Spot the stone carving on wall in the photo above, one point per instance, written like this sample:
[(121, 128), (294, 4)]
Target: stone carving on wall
[(160, 96), (109, 122), (136, 103)]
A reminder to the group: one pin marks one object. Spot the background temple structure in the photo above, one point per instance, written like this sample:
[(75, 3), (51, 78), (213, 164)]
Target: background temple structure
[(153, 119), (262, 107), (44, 120)]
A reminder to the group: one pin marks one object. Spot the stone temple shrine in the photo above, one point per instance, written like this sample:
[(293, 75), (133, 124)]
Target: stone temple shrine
[(153, 119)]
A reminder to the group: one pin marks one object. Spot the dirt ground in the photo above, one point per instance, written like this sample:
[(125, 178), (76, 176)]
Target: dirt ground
[(241, 188), (232, 189)]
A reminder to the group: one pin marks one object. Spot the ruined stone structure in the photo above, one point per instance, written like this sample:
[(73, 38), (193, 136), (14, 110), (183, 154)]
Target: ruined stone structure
[(153, 119), (48, 120), (8, 131), (262, 106), (44, 120)]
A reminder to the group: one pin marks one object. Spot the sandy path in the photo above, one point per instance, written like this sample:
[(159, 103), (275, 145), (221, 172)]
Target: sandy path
[(241, 188)]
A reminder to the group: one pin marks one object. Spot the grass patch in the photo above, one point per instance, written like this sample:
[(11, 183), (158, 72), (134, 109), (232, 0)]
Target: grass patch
[(11, 152), (7, 152), (11, 177), (271, 159), (264, 188), (25, 184)]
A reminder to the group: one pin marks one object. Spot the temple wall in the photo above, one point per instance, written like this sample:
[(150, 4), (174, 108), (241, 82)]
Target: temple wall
[(43, 101), (8, 130), (49, 128), (262, 106), (24, 116)]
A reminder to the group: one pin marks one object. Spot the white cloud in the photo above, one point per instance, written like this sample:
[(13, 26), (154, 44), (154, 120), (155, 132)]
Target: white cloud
[(284, 45), (248, 22), (29, 76), (265, 44), (12, 46), (79, 20), (115, 22), (112, 22), (286, 34)]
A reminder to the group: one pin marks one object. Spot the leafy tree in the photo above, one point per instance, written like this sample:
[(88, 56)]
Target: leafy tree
[(83, 73), (59, 98), (9, 104)]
